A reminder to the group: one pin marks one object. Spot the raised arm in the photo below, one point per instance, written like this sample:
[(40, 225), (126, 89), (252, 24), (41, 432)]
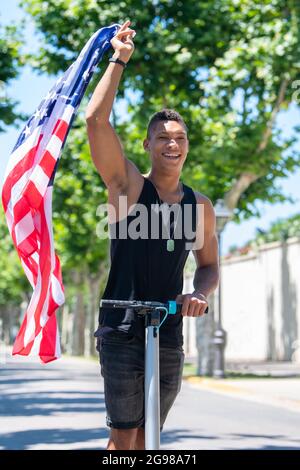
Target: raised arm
[(107, 153)]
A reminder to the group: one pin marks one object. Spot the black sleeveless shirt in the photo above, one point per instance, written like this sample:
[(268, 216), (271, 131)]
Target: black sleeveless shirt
[(143, 269)]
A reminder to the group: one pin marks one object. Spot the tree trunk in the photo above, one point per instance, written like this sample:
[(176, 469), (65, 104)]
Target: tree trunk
[(79, 314), (94, 282), (247, 178), (64, 326), (93, 309)]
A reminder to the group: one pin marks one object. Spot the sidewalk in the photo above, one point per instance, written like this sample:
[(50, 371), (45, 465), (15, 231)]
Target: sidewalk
[(276, 383), (274, 369)]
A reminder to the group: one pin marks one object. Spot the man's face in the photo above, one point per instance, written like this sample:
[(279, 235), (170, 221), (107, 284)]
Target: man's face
[(168, 145)]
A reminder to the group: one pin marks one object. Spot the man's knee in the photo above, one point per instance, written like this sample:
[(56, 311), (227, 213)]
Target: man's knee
[(122, 439)]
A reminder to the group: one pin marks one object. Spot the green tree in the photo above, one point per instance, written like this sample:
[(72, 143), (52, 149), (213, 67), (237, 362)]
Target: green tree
[(280, 230), (228, 66), (10, 63), (200, 58)]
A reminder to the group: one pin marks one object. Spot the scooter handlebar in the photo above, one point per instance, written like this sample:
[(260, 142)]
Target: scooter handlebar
[(171, 306)]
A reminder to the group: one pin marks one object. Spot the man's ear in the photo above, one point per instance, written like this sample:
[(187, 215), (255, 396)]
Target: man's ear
[(146, 144)]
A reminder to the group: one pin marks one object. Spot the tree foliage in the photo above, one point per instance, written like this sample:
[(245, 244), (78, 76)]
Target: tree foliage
[(10, 63), (281, 229), (228, 66), (14, 286)]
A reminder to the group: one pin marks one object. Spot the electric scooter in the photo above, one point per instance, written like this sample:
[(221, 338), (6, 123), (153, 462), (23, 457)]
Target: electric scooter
[(151, 312)]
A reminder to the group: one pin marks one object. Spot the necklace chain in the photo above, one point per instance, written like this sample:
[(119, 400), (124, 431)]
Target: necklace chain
[(170, 241)]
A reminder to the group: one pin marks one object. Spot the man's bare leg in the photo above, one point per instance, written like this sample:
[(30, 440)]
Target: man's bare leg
[(140, 439), (122, 439)]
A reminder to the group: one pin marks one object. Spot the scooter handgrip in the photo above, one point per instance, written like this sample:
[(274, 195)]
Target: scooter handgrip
[(179, 307)]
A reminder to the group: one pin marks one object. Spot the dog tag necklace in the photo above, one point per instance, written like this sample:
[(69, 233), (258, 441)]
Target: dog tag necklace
[(170, 240)]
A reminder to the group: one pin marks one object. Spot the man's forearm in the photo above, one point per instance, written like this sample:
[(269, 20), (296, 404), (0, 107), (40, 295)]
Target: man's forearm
[(206, 279), (101, 102)]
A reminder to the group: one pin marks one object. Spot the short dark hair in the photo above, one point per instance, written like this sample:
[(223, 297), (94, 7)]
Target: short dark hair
[(164, 115)]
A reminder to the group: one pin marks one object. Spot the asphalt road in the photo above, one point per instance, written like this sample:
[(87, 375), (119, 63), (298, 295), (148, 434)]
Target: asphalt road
[(61, 406)]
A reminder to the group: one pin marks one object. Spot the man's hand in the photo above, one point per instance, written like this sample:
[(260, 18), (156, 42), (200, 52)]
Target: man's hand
[(122, 42), (193, 305)]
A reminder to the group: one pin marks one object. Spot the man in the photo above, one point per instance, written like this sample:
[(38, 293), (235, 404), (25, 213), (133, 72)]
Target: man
[(144, 268)]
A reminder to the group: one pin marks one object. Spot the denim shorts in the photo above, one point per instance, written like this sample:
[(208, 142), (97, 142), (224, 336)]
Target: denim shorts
[(122, 359)]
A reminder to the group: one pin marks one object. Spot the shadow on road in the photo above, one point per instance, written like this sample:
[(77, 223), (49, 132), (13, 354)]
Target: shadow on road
[(25, 439), (178, 436), (35, 397), (47, 403)]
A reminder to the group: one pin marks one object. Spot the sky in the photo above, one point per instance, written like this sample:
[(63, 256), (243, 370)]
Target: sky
[(30, 88)]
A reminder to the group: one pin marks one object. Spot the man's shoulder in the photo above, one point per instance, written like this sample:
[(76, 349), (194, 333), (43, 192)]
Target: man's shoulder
[(202, 199), (209, 211)]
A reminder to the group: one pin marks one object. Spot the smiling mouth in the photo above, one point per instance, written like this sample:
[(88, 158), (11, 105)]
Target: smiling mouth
[(171, 156)]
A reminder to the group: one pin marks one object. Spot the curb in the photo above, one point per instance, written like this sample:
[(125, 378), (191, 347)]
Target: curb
[(219, 386), (215, 384)]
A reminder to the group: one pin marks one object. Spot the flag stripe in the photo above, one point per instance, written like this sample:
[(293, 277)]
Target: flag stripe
[(24, 228), (9, 186), (61, 129), (29, 145), (47, 164)]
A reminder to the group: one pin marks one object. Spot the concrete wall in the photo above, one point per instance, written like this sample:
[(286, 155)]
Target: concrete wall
[(260, 304)]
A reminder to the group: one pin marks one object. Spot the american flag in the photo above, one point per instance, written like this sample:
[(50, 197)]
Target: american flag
[(27, 198)]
